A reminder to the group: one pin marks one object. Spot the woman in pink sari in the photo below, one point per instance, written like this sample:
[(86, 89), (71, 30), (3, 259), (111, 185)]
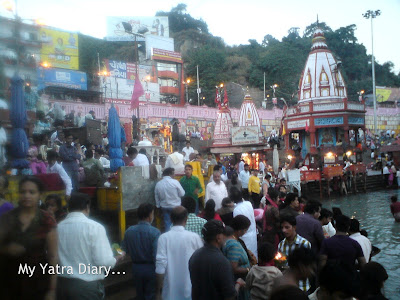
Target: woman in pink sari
[(271, 225), (391, 176)]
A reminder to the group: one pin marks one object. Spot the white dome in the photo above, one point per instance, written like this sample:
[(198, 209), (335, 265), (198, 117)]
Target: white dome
[(321, 78)]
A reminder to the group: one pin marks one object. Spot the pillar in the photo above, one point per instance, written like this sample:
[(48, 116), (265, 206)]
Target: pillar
[(313, 141), (287, 141), (346, 134)]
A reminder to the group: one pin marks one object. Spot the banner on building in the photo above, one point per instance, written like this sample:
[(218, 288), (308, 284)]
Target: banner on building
[(160, 54), (124, 70), (383, 94), (59, 48), (119, 83), (117, 27), (61, 78)]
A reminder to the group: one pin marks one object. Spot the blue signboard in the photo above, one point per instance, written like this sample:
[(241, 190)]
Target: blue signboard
[(356, 120), (328, 121), (61, 78)]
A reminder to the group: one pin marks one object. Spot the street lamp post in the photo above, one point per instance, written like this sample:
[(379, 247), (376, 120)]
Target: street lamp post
[(187, 89), (198, 86), (273, 87), (370, 14)]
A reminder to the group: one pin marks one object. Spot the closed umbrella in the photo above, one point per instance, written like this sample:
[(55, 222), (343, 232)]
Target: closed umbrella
[(275, 159), (19, 141), (3, 104), (114, 140)]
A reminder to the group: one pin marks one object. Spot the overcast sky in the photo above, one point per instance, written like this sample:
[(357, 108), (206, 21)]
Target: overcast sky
[(236, 21)]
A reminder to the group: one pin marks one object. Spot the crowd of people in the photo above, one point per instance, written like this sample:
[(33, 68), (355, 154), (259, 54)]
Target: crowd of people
[(281, 247), (248, 238), (242, 241)]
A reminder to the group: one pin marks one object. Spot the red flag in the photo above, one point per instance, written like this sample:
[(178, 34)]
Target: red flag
[(307, 126), (137, 92), (225, 97), (217, 98)]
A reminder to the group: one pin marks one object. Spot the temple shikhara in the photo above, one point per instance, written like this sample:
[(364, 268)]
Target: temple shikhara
[(323, 117), (249, 115), (223, 126)]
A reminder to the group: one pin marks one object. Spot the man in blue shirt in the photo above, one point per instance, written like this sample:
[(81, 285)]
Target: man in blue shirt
[(140, 242), (70, 157)]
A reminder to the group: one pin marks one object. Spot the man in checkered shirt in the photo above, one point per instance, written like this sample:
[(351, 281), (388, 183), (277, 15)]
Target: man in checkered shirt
[(194, 223), (291, 242)]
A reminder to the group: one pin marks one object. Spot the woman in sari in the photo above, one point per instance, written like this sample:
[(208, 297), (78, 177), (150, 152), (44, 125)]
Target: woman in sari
[(28, 237), (271, 225)]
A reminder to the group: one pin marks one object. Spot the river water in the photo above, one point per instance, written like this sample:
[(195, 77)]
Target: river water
[(372, 210)]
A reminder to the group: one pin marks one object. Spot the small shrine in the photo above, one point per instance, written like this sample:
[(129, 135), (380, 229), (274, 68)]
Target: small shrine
[(223, 126), (249, 116), (323, 120), (245, 139)]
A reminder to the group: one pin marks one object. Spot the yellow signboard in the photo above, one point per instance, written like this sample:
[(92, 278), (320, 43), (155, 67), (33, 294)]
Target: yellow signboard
[(382, 95), (59, 48)]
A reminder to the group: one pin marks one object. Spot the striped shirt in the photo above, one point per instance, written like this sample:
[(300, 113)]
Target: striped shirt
[(286, 248)]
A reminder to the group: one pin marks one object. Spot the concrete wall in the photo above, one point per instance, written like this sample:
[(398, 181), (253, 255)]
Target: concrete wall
[(388, 118)]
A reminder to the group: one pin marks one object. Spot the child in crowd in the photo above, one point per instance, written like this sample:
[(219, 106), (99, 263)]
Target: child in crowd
[(53, 205), (261, 277), (5, 206)]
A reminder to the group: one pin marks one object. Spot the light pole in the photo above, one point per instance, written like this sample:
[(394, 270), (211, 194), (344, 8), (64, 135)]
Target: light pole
[(273, 87), (360, 95), (370, 14), (198, 86), (187, 89)]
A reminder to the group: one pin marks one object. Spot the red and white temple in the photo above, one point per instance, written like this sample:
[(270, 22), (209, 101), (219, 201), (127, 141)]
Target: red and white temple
[(223, 126), (249, 116), (323, 117)]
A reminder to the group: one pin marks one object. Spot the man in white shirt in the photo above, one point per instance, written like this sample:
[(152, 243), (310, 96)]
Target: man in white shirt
[(245, 208), (55, 136), (104, 161), (175, 160), (168, 193), (90, 115), (174, 250), (261, 167), (244, 177), (224, 177), (79, 121), (364, 242), (84, 251), (141, 159), (241, 166), (216, 190), (187, 150), (55, 167)]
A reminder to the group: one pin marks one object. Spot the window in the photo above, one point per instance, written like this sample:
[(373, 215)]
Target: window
[(167, 82), (166, 67), (33, 36)]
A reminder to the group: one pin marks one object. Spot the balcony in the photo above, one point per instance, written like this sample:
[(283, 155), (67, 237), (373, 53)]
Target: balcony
[(168, 74), (169, 90)]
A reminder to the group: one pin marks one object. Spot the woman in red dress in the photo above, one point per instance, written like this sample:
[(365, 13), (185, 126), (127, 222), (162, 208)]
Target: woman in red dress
[(28, 239)]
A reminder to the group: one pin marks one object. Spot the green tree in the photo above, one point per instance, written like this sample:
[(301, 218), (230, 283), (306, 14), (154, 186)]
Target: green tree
[(179, 20), (269, 40), (3, 81), (310, 29), (211, 62)]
